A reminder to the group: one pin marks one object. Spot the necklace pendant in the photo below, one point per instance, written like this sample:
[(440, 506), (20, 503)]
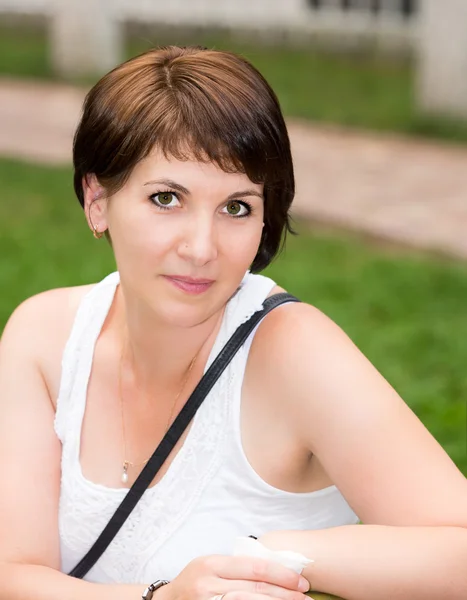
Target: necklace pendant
[(125, 472)]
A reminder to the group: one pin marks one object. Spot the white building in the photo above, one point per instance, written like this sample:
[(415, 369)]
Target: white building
[(86, 34)]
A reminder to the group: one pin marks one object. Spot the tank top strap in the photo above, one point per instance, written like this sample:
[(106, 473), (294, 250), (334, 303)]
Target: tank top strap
[(78, 355), (248, 299), (258, 288)]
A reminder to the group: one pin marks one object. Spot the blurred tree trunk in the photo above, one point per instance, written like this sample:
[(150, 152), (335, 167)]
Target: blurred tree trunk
[(85, 37)]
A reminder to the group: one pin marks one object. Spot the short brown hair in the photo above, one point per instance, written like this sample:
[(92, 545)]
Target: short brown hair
[(189, 103)]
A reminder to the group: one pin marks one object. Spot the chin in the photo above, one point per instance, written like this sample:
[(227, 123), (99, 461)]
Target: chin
[(180, 309), (185, 316)]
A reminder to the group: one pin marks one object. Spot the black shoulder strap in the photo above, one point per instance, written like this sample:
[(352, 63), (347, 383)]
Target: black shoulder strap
[(174, 433)]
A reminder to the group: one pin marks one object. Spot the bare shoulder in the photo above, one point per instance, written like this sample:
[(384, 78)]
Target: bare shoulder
[(46, 312), (297, 349), (295, 345), (296, 327), (38, 329), (345, 412), (30, 365)]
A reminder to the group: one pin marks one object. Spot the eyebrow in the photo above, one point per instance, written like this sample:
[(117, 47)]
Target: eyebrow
[(180, 188)]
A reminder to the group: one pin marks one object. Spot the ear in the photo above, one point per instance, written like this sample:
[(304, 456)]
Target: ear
[(95, 204)]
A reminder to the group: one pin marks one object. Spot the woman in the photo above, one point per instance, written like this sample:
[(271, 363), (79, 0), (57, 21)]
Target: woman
[(182, 159)]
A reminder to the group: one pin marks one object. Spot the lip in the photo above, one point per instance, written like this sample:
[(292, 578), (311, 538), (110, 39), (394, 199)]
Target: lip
[(190, 279), (190, 285)]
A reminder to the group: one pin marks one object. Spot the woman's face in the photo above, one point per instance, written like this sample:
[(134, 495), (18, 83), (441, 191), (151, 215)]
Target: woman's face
[(184, 233)]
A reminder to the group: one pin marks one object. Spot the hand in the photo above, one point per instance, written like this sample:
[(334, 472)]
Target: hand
[(235, 578)]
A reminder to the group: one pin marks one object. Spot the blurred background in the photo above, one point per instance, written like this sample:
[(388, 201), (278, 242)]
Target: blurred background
[(375, 94)]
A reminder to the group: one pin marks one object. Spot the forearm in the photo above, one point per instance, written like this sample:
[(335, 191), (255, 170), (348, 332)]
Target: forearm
[(374, 562), (31, 582)]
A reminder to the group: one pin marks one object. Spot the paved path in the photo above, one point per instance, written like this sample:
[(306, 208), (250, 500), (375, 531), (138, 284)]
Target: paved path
[(394, 188)]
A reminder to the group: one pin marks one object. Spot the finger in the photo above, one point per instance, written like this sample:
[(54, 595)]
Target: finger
[(261, 588), (259, 569)]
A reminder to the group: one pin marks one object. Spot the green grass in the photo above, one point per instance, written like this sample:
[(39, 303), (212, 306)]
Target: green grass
[(355, 91), (406, 312), (24, 53)]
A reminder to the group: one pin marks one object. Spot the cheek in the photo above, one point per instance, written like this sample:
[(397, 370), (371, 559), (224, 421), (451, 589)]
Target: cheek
[(151, 238), (156, 237), (240, 242)]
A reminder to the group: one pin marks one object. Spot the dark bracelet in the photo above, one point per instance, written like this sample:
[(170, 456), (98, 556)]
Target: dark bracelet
[(149, 591)]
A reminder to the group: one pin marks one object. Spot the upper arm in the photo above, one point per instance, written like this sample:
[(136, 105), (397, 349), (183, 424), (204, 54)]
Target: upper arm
[(29, 449), (385, 462)]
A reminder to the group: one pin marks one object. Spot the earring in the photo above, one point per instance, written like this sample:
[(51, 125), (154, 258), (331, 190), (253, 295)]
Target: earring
[(96, 233)]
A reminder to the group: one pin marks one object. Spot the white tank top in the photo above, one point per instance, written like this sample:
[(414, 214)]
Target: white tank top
[(209, 495)]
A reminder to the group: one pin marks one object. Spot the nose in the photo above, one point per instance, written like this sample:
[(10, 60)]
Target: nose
[(198, 244)]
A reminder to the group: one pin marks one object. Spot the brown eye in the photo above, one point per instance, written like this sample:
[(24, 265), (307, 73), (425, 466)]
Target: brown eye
[(234, 208), (237, 209), (165, 198)]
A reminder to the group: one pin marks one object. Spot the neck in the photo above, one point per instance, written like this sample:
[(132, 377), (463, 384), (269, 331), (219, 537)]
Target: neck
[(161, 354)]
